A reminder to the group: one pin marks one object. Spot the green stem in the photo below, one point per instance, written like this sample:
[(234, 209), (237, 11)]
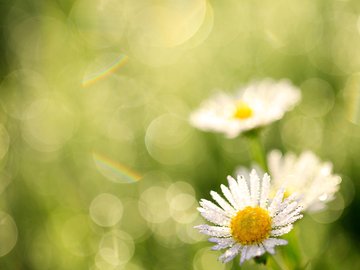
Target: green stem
[(235, 266), (293, 250), (274, 264), (257, 150)]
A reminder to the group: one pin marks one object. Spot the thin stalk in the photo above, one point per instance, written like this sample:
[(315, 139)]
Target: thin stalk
[(257, 151), (274, 263), (235, 266), (293, 250)]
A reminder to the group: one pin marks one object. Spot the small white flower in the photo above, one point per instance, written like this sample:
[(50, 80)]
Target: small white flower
[(247, 222), (253, 106), (307, 175)]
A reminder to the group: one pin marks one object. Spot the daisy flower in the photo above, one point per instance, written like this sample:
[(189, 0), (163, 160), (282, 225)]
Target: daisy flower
[(307, 175), (248, 223), (253, 106)]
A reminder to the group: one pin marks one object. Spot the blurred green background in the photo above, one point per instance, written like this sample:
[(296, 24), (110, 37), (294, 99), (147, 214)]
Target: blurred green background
[(100, 168)]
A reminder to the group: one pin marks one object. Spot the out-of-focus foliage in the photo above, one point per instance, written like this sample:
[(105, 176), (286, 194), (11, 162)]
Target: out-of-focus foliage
[(100, 168)]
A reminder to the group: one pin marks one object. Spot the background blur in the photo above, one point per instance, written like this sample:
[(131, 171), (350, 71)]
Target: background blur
[(99, 167)]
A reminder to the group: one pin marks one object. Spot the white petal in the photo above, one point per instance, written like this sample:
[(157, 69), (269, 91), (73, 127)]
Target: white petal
[(244, 190), (289, 220), (288, 212), (254, 251), (243, 254), (228, 195), (214, 217), (214, 230), (230, 253), (254, 188), (234, 188), (265, 188), (281, 230), (295, 196), (275, 242), (276, 202), (290, 207), (260, 251), (251, 252), (208, 205), (222, 242), (225, 205), (269, 248), (270, 243)]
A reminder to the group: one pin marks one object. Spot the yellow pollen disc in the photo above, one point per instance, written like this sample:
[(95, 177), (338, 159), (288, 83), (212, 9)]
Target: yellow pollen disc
[(251, 225), (242, 111), (287, 194)]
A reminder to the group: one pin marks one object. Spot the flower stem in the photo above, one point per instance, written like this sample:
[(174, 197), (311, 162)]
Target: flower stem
[(274, 264), (235, 266), (293, 250), (256, 149)]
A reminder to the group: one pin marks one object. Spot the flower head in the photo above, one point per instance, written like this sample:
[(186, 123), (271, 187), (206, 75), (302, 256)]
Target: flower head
[(306, 175), (247, 222), (253, 106)]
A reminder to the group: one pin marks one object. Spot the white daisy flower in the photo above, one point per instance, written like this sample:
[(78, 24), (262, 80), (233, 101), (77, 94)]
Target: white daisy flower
[(248, 223), (253, 106), (305, 174)]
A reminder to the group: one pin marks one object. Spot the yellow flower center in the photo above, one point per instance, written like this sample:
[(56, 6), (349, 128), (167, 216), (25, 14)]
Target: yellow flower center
[(242, 111), (251, 225), (286, 194)]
